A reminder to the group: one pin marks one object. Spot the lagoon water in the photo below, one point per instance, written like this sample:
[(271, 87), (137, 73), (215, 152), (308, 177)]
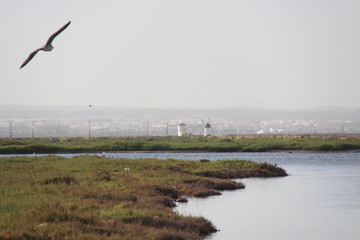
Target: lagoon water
[(319, 200)]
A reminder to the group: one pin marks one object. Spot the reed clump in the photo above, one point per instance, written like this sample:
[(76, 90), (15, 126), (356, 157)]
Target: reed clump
[(88, 197)]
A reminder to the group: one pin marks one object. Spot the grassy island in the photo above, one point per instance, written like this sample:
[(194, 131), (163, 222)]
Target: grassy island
[(89, 197), (209, 144)]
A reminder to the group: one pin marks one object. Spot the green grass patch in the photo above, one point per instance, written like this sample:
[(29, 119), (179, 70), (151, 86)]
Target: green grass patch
[(211, 144), (89, 197)]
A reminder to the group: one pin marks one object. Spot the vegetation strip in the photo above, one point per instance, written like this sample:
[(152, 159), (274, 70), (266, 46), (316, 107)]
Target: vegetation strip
[(211, 144), (89, 197)]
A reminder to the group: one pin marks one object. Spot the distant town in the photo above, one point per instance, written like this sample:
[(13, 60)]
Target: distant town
[(92, 121)]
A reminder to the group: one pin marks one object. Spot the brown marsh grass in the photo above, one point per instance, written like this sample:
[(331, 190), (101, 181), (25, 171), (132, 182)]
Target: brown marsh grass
[(89, 197)]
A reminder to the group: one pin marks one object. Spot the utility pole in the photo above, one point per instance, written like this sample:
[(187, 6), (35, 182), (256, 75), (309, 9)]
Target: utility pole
[(89, 128), (33, 129), (10, 124), (90, 106), (166, 129), (147, 129)]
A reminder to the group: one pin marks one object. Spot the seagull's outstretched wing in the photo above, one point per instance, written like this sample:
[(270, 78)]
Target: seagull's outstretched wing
[(51, 38), (30, 57)]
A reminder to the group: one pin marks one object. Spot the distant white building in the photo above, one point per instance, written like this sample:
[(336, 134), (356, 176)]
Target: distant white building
[(182, 130), (207, 130), (260, 132), (273, 130)]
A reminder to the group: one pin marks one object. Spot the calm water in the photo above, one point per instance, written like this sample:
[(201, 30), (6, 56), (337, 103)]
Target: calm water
[(319, 200)]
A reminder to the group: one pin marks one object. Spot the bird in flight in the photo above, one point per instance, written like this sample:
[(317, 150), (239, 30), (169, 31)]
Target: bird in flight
[(47, 47)]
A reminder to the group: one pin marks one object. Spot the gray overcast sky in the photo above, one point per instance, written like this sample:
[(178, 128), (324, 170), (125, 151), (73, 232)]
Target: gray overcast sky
[(284, 54)]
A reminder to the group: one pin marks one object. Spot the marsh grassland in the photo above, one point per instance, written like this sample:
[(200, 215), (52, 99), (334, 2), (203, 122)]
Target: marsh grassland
[(209, 144), (90, 197)]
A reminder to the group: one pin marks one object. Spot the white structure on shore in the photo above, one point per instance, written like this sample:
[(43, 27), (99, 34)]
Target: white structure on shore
[(182, 130), (260, 132), (207, 130)]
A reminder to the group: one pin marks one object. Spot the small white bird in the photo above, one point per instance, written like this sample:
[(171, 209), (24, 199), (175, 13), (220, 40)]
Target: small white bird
[(47, 47)]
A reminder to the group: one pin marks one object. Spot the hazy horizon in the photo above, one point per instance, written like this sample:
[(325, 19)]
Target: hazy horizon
[(251, 108), (279, 54)]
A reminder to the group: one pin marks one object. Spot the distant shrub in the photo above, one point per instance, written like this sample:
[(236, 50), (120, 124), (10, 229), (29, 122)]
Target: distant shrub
[(325, 147), (204, 160), (60, 180), (182, 199), (345, 147)]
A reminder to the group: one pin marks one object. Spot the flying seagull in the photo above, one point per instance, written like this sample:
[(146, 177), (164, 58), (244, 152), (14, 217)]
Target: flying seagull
[(47, 47)]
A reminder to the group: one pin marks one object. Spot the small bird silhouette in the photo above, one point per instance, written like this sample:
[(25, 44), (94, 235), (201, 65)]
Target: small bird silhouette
[(47, 47)]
